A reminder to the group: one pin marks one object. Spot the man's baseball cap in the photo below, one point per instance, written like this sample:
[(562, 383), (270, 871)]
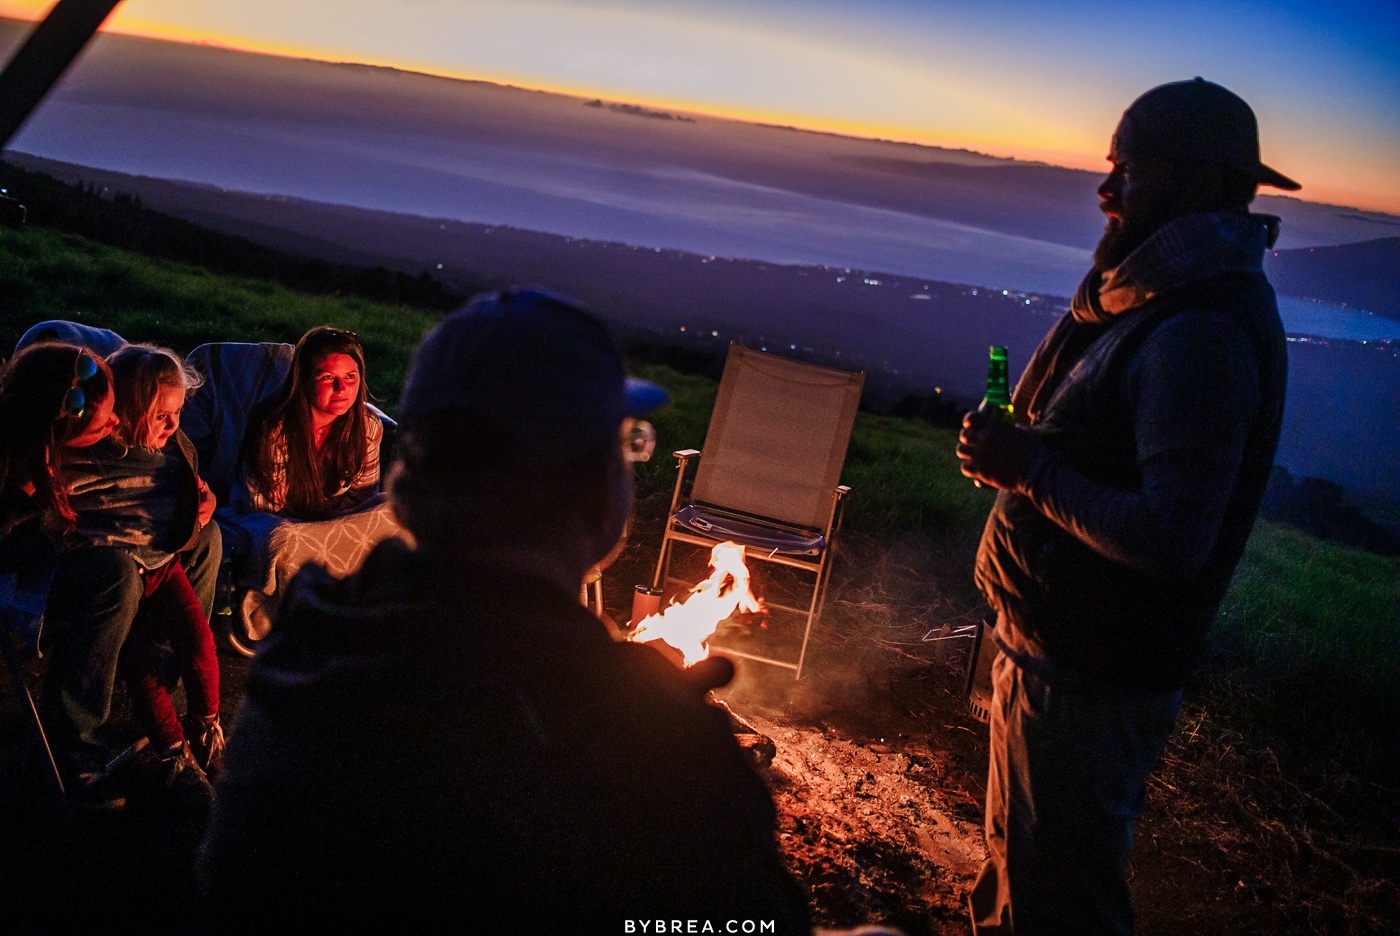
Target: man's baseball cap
[(536, 363), (1195, 121)]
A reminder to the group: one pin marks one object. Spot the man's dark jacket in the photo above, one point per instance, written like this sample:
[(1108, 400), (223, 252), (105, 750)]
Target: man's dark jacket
[(467, 749), (1159, 399)]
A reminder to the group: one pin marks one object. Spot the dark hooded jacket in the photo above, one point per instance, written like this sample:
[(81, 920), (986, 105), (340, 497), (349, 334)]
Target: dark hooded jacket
[(1159, 398), (453, 747)]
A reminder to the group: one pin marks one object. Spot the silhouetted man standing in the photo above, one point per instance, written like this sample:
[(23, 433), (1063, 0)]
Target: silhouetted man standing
[(1147, 424)]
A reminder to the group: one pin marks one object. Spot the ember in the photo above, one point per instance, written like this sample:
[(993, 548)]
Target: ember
[(688, 625)]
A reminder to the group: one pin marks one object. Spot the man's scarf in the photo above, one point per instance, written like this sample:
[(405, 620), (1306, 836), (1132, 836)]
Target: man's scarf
[(1183, 251)]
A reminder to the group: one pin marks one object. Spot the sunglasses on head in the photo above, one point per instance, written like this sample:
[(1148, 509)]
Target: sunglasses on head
[(75, 400), (343, 333)]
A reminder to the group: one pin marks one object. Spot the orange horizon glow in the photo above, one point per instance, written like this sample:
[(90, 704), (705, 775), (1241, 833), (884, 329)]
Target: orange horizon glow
[(988, 146), (1056, 148)]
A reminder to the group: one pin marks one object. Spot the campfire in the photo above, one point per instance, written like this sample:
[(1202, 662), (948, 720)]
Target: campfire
[(688, 625)]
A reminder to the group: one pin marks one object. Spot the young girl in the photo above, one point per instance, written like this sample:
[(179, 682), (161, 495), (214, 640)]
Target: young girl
[(139, 491)]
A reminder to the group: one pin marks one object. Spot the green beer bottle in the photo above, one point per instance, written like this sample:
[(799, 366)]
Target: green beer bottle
[(998, 398)]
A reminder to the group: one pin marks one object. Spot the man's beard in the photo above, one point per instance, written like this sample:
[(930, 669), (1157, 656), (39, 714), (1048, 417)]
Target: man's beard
[(1121, 236)]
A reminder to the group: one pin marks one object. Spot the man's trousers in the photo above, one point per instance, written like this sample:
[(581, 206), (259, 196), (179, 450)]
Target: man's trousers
[(1067, 778)]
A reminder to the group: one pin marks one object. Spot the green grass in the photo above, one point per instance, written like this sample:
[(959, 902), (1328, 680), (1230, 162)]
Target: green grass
[(1307, 647), (905, 479), (1297, 598), (47, 275), (1306, 644)]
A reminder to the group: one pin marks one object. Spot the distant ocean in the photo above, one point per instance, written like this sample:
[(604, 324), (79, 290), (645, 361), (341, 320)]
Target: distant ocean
[(552, 190), (1329, 320)]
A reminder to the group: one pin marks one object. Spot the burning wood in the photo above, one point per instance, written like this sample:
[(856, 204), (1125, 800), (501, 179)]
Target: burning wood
[(688, 625)]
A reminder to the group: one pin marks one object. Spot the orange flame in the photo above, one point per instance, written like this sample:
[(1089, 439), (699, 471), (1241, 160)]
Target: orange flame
[(689, 624)]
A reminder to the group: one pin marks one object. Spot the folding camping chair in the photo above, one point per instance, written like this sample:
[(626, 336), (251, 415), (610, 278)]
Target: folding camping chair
[(237, 377), (769, 476), (22, 600)]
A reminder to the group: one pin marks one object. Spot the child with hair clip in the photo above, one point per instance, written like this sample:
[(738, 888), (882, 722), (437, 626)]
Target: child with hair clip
[(139, 491)]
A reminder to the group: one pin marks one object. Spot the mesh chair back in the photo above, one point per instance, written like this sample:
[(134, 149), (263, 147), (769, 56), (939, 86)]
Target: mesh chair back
[(100, 341), (777, 438), (237, 377)]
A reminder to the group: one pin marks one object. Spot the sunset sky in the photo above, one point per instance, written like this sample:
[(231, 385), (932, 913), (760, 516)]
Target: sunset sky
[(1035, 80)]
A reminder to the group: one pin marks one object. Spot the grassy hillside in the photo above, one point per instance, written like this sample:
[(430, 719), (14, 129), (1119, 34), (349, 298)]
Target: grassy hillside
[(47, 275), (93, 210)]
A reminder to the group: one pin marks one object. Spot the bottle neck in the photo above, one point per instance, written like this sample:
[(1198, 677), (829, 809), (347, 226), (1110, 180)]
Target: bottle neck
[(998, 391)]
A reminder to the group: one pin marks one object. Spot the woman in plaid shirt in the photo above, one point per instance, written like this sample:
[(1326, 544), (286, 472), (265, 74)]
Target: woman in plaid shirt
[(311, 451)]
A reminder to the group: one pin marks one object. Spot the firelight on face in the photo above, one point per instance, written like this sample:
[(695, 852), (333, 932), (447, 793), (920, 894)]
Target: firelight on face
[(335, 385), (163, 419)]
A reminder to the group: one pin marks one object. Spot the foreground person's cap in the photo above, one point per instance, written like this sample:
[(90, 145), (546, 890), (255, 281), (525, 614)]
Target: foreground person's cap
[(1195, 121), (536, 363)]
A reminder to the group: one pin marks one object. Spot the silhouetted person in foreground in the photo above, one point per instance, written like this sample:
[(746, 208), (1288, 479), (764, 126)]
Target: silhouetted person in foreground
[(448, 738), (1147, 424)]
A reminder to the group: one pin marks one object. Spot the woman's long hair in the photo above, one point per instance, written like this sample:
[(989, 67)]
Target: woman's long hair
[(313, 477), (138, 373), (35, 426)]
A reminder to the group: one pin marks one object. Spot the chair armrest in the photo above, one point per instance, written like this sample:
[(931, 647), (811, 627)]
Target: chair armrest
[(833, 522), (389, 445), (682, 457)]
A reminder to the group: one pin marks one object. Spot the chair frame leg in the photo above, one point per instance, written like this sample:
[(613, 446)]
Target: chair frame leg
[(53, 779), (833, 533)]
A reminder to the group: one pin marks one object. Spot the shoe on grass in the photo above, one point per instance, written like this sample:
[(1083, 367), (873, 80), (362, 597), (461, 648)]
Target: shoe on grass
[(87, 786), (184, 780), (93, 791)]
